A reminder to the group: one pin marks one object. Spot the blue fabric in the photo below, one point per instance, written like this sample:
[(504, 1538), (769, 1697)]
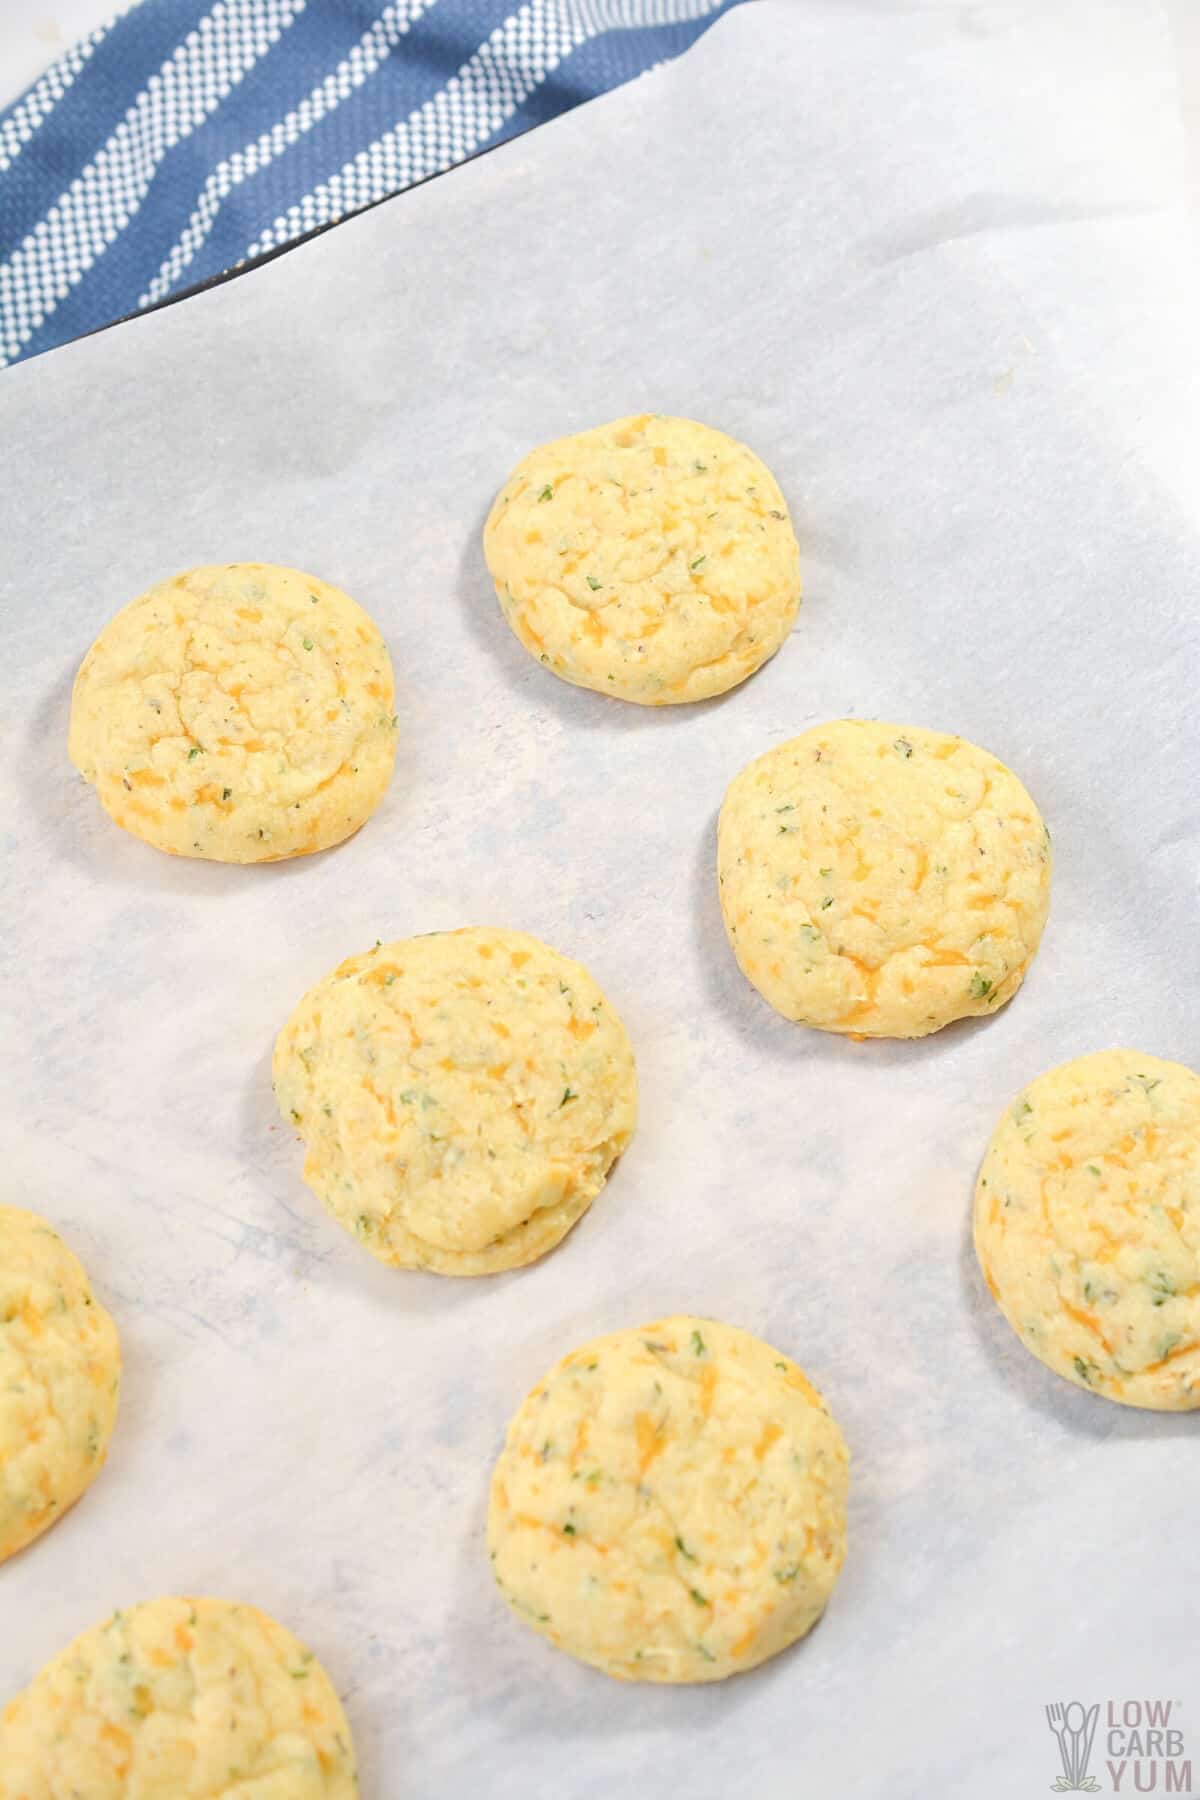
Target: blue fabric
[(185, 137)]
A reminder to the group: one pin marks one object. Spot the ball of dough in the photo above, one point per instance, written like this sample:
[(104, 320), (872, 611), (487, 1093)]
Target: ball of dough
[(178, 1697), (882, 880), (670, 1503), (240, 713), (462, 1097), (1087, 1226), (652, 559), (60, 1371)]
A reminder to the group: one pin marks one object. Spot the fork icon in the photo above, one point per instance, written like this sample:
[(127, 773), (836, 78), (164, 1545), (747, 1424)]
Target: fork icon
[(1075, 1729)]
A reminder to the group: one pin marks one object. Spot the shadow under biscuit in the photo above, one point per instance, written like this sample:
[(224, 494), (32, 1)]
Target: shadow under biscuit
[(313, 1246), (758, 1023), (1081, 1414), (69, 815), (519, 1682)]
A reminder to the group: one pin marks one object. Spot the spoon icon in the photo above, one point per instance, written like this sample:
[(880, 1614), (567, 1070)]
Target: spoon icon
[(1080, 1726)]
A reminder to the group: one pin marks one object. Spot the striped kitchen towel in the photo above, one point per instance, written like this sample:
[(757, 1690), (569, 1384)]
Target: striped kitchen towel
[(185, 137)]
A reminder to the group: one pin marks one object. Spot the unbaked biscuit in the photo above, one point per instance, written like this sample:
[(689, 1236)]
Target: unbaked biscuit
[(462, 1097), (650, 558), (60, 1372), (241, 713), (1087, 1226), (670, 1503), (882, 880), (179, 1697)]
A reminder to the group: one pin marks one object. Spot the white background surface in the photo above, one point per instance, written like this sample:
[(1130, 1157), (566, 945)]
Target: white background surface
[(931, 266), (34, 32)]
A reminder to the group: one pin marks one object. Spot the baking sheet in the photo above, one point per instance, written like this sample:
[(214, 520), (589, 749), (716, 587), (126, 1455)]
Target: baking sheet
[(929, 263)]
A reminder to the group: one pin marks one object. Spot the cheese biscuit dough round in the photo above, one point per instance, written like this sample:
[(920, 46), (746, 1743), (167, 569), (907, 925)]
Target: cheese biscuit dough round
[(882, 880), (179, 1697), (651, 558), (60, 1373), (1087, 1226), (670, 1503), (462, 1097), (241, 713)]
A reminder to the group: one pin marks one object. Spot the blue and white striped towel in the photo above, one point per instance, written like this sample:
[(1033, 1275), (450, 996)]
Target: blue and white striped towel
[(187, 136)]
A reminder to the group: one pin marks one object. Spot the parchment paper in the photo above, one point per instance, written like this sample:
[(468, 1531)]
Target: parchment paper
[(930, 263)]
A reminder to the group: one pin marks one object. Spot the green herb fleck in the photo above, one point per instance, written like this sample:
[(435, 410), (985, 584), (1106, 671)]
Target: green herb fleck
[(1092, 1169), (226, 793), (698, 1597), (1082, 1368), (568, 1529), (695, 565), (308, 643), (568, 1094), (547, 493), (980, 987), (698, 1344), (194, 752), (786, 1575), (683, 1549), (903, 746)]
